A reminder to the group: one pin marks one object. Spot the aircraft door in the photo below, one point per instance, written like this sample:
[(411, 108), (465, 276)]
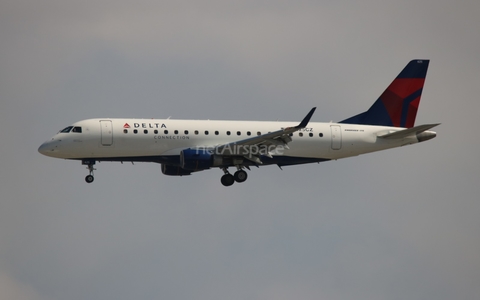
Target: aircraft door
[(336, 137), (106, 132)]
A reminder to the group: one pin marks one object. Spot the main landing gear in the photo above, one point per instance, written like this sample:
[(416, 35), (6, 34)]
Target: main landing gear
[(89, 178), (229, 179)]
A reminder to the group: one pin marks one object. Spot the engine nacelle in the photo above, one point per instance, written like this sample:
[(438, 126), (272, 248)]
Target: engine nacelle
[(196, 159), (174, 170)]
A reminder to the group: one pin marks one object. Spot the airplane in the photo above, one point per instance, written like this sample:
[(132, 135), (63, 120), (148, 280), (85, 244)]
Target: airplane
[(183, 147)]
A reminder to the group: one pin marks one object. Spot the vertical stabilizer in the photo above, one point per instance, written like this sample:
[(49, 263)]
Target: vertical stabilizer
[(398, 104)]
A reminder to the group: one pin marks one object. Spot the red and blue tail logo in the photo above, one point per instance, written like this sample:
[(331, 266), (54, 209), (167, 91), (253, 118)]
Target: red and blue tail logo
[(398, 104)]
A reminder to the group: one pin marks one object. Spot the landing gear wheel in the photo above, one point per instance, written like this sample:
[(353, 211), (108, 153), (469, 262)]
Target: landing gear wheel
[(90, 168), (89, 178), (240, 176), (227, 179)]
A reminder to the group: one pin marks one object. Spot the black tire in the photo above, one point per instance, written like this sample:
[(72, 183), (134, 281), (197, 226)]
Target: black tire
[(227, 179), (240, 176), (89, 178)]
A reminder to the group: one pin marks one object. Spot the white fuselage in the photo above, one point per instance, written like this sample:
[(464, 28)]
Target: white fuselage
[(136, 138), (186, 146)]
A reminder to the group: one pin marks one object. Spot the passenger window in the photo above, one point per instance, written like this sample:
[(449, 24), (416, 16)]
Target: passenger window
[(145, 131), (249, 133), (125, 131), (165, 131), (300, 134), (77, 129), (186, 131), (310, 134), (155, 131), (320, 134), (196, 131), (228, 132), (216, 132), (176, 132), (259, 133), (206, 132), (239, 133), (135, 131)]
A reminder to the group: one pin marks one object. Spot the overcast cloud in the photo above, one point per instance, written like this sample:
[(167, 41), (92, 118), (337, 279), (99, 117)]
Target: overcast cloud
[(398, 224)]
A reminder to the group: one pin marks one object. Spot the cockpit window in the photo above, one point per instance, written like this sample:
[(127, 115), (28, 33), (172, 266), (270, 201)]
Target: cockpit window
[(77, 129), (66, 130)]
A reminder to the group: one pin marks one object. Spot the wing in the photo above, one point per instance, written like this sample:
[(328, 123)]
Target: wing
[(253, 148)]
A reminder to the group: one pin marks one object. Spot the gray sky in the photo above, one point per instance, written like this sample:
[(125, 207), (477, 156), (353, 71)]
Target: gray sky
[(398, 224)]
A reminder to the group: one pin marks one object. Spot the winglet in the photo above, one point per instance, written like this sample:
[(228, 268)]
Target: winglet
[(307, 118)]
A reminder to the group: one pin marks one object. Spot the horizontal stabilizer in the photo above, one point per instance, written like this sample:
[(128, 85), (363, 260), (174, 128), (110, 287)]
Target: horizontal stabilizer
[(408, 132)]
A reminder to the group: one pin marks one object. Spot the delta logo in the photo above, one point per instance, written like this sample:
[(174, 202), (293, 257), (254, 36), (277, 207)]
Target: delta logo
[(145, 125)]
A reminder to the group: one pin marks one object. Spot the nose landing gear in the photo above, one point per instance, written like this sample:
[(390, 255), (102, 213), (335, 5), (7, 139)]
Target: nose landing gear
[(89, 178)]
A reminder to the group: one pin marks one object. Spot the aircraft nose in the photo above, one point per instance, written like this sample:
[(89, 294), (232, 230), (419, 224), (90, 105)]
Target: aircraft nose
[(49, 148)]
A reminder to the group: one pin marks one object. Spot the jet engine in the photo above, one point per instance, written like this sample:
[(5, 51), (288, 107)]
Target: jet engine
[(193, 159), (174, 170), (196, 159)]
